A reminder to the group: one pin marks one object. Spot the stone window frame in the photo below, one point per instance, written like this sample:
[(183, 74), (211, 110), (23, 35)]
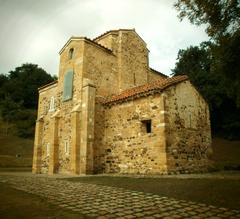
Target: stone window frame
[(146, 126), (52, 104)]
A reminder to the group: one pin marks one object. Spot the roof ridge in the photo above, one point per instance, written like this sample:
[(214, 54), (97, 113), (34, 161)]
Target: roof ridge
[(109, 31), (83, 38), (88, 39), (155, 86), (48, 84)]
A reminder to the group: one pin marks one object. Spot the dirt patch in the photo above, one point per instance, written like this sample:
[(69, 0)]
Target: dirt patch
[(17, 204), (226, 154)]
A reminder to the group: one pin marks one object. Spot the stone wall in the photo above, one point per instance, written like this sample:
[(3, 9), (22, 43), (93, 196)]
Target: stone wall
[(110, 41), (44, 116), (101, 67), (122, 144), (132, 60), (188, 129), (160, 133), (75, 63), (153, 76)]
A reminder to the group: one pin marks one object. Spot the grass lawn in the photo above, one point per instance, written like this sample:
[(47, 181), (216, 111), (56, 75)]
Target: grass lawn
[(15, 151), (17, 204)]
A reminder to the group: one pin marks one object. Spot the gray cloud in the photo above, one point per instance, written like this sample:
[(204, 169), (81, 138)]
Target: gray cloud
[(34, 31)]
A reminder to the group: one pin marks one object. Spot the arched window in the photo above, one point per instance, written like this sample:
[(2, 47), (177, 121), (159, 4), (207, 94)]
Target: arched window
[(52, 105), (70, 53)]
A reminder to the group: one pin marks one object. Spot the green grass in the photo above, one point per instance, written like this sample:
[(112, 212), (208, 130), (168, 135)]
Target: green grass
[(15, 151)]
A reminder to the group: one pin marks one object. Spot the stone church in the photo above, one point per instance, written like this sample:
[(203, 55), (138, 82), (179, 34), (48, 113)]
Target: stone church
[(109, 112)]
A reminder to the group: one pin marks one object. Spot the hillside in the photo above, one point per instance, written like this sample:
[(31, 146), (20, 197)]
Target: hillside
[(226, 154), (15, 151)]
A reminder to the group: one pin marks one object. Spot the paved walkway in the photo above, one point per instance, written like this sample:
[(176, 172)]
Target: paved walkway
[(108, 202)]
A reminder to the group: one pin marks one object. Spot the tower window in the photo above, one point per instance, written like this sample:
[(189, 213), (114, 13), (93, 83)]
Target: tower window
[(147, 126), (70, 54)]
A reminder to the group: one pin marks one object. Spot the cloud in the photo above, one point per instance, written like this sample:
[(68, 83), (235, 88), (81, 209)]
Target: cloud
[(35, 31)]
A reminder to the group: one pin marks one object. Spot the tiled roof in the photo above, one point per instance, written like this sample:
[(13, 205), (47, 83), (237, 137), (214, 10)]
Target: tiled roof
[(144, 90)]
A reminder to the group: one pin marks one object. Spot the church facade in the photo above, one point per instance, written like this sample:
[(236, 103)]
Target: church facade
[(109, 112)]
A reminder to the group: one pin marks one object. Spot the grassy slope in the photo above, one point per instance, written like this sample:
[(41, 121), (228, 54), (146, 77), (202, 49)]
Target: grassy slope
[(226, 154), (10, 146)]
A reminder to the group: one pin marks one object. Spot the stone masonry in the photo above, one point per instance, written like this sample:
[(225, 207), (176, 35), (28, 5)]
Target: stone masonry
[(109, 112)]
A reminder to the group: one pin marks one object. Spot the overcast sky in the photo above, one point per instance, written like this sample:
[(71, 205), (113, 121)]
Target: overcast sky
[(34, 31)]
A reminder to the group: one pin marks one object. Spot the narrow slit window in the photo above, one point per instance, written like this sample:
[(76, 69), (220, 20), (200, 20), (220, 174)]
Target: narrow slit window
[(147, 126), (66, 147), (48, 149), (70, 54), (52, 107)]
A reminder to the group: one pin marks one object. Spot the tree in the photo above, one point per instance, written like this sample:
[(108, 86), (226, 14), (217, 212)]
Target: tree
[(9, 110), (200, 66), (222, 17), (215, 71), (19, 97), (3, 80), (226, 63), (23, 84)]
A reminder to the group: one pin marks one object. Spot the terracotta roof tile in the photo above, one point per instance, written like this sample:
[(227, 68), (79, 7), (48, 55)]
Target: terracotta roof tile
[(143, 90)]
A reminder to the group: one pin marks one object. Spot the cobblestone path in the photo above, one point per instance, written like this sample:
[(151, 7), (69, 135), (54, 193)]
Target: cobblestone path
[(99, 201)]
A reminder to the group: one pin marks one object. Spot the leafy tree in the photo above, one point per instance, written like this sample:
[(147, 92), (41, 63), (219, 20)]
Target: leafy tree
[(215, 69), (200, 66), (26, 123), (196, 62), (19, 97), (9, 109), (23, 83), (226, 63), (222, 17), (3, 80)]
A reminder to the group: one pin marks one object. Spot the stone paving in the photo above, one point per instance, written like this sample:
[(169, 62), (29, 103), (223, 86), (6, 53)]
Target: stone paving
[(99, 201)]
